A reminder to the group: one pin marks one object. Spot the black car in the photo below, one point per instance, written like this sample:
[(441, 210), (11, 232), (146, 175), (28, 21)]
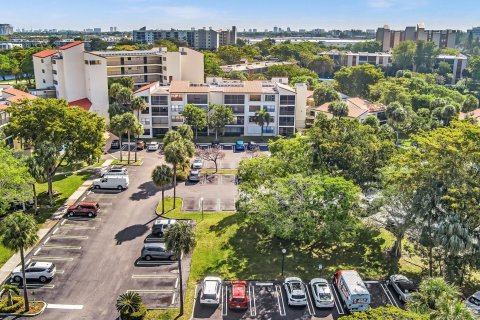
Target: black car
[(115, 144), (252, 146), (215, 144)]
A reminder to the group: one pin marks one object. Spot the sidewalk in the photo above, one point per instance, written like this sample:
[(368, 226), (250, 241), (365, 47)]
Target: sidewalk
[(15, 260)]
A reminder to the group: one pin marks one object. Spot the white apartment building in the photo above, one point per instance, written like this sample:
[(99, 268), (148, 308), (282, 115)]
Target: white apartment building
[(286, 105), (81, 77)]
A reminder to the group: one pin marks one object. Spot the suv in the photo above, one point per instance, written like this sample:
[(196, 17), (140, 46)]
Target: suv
[(89, 209), (239, 145), (238, 298), (295, 291), (140, 145), (155, 250), (153, 146), (41, 271), (160, 226), (194, 176), (210, 293), (473, 303), (115, 144), (252, 146), (197, 163)]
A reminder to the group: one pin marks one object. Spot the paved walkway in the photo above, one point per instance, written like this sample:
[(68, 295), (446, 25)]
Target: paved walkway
[(15, 260)]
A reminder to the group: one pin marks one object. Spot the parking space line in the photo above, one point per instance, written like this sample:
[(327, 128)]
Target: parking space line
[(74, 227), (52, 258), (55, 231), (107, 204), (311, 310), (154, 276), (36, 252), (62, 247), (173, 298), (60, 271), (151, 291), (251, 302), (46, 240), (389, 295), (83, 219), (338, 302), (176, 283), (63, 222), (194, 299), (65, 306), (224, 301), (36, 285), (28, 261), (147, 263), (70, 237), (281, 304), (83, 198)]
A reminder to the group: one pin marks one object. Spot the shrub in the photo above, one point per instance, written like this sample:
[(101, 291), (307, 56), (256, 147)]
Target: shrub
[(15, 307), (138, 315)]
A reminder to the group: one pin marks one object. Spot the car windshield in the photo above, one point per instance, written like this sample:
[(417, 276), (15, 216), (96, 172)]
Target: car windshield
[(474, 301), (209, 296), (298, 296), (324, 296), (238, 299)]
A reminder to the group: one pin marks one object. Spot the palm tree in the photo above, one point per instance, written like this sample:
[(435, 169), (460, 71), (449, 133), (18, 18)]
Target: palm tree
[(262, 118), (162, 176), (19, 232), (128, 124), (116, 126), (338, 109), (9, 290), (113, 90), (175, 153), (432, 294), (124, 96), (128, 303), (138, 104), (397, 115), (452, 311), (180, 239), (38, 174)]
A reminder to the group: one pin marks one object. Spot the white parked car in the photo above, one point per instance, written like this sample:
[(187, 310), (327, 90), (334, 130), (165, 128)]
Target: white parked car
[(211, 287), (473, 303), (114, 170), (41, 271), (402, 286), (153, 146), (296, 294), (321, 292), (197, 163)]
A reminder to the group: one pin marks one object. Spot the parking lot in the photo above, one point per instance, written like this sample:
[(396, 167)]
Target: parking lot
[(268, 300)]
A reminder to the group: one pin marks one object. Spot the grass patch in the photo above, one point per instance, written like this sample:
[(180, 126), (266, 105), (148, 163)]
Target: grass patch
[(18, 306), (230, 247), (233, 139), (125, 162), (221, 171)]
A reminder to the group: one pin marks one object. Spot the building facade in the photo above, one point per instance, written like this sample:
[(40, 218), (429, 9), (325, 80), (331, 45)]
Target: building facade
[(81, 77), (6, 29), (475, 32), (199, 39), (286, 104)]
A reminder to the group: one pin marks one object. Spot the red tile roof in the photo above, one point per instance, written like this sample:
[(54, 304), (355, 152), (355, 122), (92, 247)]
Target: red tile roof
[(145, 87), (16, 95), (71, 44), (84, 103), (3, 106), (45, 53)]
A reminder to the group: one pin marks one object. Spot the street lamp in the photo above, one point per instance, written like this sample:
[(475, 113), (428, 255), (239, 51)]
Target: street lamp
[(283, 259), (201, 203), (320, 267)]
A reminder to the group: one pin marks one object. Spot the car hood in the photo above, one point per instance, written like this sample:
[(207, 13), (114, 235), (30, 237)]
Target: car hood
[(472, 306), (17, 269), (73, 206)]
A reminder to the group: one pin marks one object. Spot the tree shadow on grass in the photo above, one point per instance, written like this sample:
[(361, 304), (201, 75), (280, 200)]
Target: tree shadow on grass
[(251, 254)]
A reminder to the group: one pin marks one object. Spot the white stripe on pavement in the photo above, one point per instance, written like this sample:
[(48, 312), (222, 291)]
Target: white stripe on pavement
[(37, 251), (278, 289), (65, 306), (154, 276), (311, 310)]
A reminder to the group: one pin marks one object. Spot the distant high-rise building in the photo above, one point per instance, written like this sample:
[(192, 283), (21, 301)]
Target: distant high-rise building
[(475, 31), (254, 30), (6, 29), (113, 29), (288, 29), (275, 29), (97, 30), (302, 30)]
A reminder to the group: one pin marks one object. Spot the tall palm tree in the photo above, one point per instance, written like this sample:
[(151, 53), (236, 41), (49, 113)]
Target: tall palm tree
[(262, 118), (128, 125), (128, 303), (397, 115), (116, 126), (175, 153), (113, 90), (432, 294), (9, 290), (138, 104), (162, 176), (19, 232), (124, 96), (180, 239), (38, 175)]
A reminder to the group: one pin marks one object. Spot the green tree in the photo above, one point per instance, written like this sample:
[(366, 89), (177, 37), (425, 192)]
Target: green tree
[(470, 103), (128, 303), (180, 239), (473, 67), (97, 44), (21, 86), (19, 232), (312, 82), (212, 64), (116, 127), (338, 109), (5, 66), (185, 132), (322, 65), (325, 93), (138, 104), (289, 70), (162, 177), (355, 81), (72, 134), (130, 125), (175, 154), (38, 174), (195, 117), (262, 118), (116, 108), (425, 55), (219, 116), (230, 54), (396, 115), (367, 46), (171, 47), (403, 54), (444, 68), (372, 121), (124, 96), (9, 290), (448, 113), (113, 90)]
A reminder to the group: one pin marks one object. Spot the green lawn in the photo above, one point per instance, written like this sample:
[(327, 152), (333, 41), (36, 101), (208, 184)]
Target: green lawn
[(220, 171), (228, 247)]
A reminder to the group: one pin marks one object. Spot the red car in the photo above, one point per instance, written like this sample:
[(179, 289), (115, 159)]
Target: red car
[(89, 209), (238, 298)]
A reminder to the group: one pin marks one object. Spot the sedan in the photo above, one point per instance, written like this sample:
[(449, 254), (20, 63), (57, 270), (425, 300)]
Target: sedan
[(473, 303), (140, 145), (295, 290), (402, 286), (322, 295)]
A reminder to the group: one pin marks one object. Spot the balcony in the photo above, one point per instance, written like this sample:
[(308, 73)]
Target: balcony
[(135, 71), (134, 61)]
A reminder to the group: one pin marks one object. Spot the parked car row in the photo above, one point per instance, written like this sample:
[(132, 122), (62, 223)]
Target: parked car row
[(114, 177), (251, 146), (158, 250)]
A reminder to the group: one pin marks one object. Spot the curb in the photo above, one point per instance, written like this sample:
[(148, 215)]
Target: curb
[(26, 315)]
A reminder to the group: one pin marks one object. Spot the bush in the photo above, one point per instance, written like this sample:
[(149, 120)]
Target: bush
[(139, 315), (15, 307)]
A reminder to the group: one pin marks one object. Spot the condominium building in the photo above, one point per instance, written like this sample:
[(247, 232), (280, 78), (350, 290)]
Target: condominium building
[(198, 39), (475, 32), (6, 29), (286, 104), (81, 77), (391, 38)]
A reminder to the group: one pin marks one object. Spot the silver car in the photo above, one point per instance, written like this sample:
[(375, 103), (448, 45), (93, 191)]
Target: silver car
[(295, 289), (155, 250), (322, 295), (41, 271), (197, 163), (402, 286), (473, 303)]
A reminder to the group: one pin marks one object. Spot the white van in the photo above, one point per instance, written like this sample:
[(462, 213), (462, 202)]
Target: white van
[(352, 290), (119, 182)]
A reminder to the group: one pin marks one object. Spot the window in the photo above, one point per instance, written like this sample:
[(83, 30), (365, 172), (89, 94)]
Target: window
[(253, 108), (86, 61), (145, 121), (54, 71), (285, 131), (44, 81), (176, 97), (146, 132), (252, 119), (164, 58), (55, 82), (285, 100), (269, 108), (234, 99), (177, 119), (237, 109), (41, 60), (145, 98), (268, 129), (269, 97), (160, 100), (94, 62), (158, 120), (164, 77), (159, 111), (239, 120), (197, 98), (43, 70), (146, 111), (129, 58), (286, 121), (287, 111), (177, 108), (255, 97), (164, 68)]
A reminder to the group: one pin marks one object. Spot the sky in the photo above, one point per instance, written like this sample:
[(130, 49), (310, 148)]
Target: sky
[(245, 14)]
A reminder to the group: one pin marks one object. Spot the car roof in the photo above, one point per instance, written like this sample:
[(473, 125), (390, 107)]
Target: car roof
[(40, 264), (154, 245), (165, 221), (354, 282), (239, 289), (198, 159), (194, 171), (318, 281), (86, 203), (293, 279), (211, 284), (239, 141)]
